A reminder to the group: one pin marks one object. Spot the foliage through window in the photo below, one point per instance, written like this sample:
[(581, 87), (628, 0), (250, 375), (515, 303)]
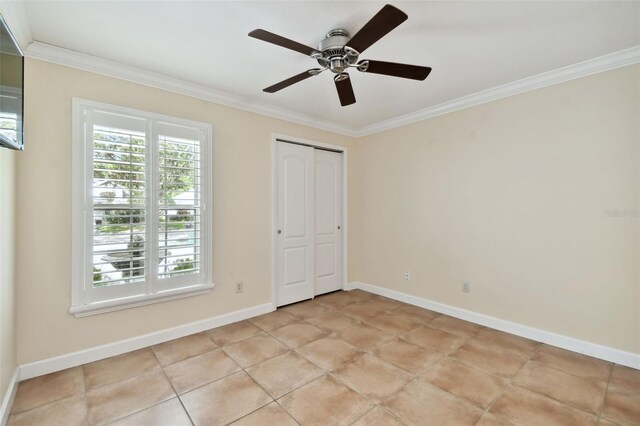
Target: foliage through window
[(145, 208)]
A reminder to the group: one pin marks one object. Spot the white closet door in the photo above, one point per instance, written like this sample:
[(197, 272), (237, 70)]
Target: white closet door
[(295, 201), (328, 232)]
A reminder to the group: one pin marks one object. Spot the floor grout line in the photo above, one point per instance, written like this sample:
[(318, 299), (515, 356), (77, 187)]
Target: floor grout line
[(286, 411), (509, 385), (606, 390), (326, 372), (334, 307), (86, 393)]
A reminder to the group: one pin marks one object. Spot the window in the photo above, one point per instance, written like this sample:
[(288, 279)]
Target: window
[(141, 215)]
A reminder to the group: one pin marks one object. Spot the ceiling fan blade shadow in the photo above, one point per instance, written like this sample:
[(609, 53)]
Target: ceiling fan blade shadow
[(414, 72), (345, 91), (281, 41), (380, 25), (288, 82)]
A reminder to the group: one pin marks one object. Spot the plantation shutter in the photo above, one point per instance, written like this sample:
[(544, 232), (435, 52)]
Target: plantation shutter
[(120, 207), (179, 202), (144, 206)]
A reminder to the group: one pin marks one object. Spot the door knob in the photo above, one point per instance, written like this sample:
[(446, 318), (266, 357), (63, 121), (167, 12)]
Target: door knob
[(338, 227), (279, 231)]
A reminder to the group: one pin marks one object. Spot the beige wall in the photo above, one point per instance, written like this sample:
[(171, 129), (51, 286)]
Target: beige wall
[(511, 196), (7, 281), (242, 211)]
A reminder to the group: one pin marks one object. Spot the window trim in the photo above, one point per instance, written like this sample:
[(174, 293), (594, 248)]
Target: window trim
[(81, 241)]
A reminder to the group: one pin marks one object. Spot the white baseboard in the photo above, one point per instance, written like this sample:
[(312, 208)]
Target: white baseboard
[(7, 402), (581, 346), (50, 365)]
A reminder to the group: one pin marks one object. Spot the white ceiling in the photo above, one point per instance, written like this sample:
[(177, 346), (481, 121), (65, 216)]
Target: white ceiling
[(471, 46)]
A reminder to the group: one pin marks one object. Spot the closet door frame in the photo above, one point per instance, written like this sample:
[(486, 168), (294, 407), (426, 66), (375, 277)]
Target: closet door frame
[(274, 218)]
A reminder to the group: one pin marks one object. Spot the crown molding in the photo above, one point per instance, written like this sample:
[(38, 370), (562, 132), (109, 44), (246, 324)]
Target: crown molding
[(61, 56), (70, 58), (608, 62)]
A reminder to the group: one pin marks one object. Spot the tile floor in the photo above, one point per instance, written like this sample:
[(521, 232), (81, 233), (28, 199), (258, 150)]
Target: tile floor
[(343, 358)]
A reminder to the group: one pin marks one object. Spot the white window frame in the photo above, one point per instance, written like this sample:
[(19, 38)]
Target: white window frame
[(83, 299)]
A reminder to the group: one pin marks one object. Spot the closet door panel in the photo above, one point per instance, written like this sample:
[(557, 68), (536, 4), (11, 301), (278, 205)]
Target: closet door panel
[(295, 202), (328, 222)]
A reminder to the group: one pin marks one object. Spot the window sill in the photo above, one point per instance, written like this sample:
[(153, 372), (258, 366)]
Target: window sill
[(135, 301)]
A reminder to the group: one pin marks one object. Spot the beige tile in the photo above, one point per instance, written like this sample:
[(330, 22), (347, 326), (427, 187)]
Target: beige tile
[(488, 360), (432, 338), (407, 356), (254, 350), (489, 419), (48, 388), (273, 320), (332, 321), (111, 402), (225, 400), (337, 300), (297, 334), (119, 367), (269, 415), (581, 393), (329, 352), (377, 417), (325, 401), (625, 379), (577, 364), (304, 310), (199, 370), (506, 343), (360, 295), (168, 413), (284, 373), (361, 311), (69, 412), (363, 336), (622, 408), (469, 383), (455, 326), (605, 422), (522, 407), (420, 403), (372, 377), (233, 332), (422, 315), (393, 323), (384, 303), (183, 348)]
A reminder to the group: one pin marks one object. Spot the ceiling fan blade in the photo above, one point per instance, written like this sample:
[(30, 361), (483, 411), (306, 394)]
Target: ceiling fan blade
[(281, 41), (288, 82), (345, 89), (380, 25), (414, 72)]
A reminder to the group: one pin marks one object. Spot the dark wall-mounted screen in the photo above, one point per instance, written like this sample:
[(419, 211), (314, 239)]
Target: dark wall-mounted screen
[(11, 90)]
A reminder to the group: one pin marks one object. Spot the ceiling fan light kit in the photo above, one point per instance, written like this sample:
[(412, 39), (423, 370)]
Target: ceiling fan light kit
[(338, 52)]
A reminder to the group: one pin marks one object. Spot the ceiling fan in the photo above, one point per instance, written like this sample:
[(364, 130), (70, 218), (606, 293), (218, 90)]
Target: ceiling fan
[(338, 52)]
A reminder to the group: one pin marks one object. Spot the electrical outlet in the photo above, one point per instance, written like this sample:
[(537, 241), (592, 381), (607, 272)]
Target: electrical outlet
[(407, 275), (239, 287), (466, 286)]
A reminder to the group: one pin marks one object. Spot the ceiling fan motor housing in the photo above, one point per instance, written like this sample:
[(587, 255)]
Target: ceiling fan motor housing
[(334, 55)]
